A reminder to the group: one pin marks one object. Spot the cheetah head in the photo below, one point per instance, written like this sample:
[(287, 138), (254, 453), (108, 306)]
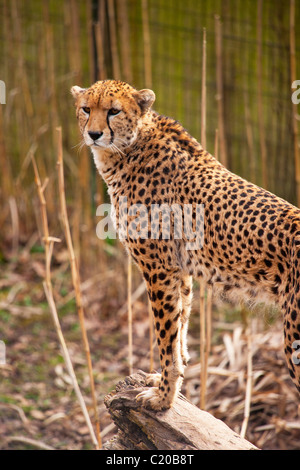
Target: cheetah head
[(110, 113)]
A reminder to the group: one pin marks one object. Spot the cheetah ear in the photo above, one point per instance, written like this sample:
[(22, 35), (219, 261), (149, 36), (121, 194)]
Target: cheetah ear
[(145, 99), (76, 91)]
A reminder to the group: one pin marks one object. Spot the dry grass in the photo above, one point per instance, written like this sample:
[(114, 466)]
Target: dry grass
[(248, 384)]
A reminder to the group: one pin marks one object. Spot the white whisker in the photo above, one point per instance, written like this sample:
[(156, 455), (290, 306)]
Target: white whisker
[(119, 151), (122, 141), (80, 145)]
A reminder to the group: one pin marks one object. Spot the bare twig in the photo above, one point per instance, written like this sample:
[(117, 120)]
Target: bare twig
[(27, 440), (134, 296), (49, 295), (15, 224), (249, 383), (209, 292), (75, 277), (129, 302), (203, 370), (20, 412)]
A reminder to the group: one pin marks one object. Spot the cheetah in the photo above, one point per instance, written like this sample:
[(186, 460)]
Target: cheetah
[(250, 246)]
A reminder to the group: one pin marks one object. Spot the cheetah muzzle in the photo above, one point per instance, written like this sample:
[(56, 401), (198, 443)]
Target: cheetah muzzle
[(249, 239)]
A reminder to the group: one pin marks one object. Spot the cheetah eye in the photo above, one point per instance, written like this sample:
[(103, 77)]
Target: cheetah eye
[(86, 110), (113, 111)]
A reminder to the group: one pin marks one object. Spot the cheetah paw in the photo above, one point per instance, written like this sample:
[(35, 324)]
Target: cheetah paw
[(153, 399), (153, 380)]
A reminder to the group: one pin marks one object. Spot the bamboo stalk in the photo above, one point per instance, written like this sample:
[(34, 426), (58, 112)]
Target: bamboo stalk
[(203, 92), (7, 183), (216, 146), (102, 73), (84, 163), (75, 38), (99, 31), (23, 78), (52, 103), (101, 6), (42, 89), (75, 277), (123, 26), (147, 45), (24, 108), (129, 302), (47, 284), (72, 43), (262, 138), (51, 76), (219, 80), (205, 308), (247, 114), (89, 33), (113, 40), (249, 136), (294, 106)]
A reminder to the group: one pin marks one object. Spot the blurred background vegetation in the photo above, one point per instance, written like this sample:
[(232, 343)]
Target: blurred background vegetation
[(253, 53), (46, 47)]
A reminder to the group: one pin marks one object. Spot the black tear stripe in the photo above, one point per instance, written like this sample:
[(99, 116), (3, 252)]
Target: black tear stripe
[(85, 124), (111, 131)]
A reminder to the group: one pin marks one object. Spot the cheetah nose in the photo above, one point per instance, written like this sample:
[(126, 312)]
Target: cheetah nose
[(95, 135)]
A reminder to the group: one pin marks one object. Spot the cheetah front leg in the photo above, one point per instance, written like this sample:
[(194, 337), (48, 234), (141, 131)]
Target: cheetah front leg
[(166, 302)]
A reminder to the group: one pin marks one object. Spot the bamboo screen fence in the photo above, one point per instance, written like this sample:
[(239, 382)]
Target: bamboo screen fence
[(46, 47)]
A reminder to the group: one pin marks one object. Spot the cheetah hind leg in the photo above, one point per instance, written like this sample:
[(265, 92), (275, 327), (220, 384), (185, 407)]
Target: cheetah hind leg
[(186, 299), (291, 311)]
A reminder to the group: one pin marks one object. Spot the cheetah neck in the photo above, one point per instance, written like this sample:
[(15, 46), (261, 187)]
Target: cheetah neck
[(105, 161)]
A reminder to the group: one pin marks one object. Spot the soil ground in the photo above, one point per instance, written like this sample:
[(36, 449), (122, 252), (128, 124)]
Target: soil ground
[(37, 401)]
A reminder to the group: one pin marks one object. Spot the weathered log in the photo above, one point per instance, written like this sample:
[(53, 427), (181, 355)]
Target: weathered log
[(183, 427)]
